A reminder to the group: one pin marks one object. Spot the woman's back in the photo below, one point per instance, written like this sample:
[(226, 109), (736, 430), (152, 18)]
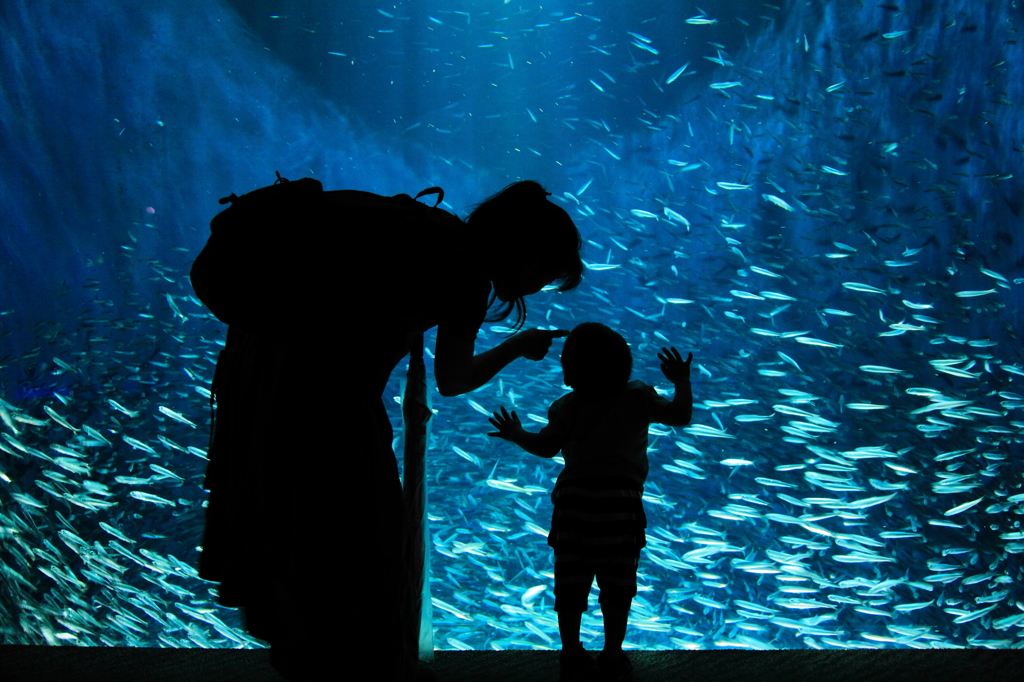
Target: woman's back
[(405, 269)]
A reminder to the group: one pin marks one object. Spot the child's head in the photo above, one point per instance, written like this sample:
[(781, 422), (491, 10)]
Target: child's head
[(595, 358)]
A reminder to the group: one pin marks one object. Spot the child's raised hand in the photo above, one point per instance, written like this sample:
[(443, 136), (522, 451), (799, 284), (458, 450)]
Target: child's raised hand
[(673, 366), (507, 426)]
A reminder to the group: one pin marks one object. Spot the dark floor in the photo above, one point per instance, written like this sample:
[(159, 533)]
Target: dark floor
[(86, 664)]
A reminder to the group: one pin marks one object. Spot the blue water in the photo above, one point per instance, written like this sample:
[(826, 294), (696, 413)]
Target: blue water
[(823, 207)]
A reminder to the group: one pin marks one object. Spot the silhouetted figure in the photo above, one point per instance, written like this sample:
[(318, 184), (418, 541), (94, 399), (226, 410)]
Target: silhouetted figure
[(597, 528), (304, 524)]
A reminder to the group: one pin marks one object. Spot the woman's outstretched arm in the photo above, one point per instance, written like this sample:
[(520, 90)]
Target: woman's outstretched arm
[(458, 371)]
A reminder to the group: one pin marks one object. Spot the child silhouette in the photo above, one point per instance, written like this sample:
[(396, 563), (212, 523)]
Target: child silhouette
[(597, 528)]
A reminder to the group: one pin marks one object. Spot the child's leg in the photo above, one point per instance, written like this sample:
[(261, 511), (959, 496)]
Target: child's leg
[(615, 617), (617, 568), (571, 591), (573, 577), (569, 629)]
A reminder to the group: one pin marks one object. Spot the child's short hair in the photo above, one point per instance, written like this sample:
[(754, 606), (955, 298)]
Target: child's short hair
[(595, 357)]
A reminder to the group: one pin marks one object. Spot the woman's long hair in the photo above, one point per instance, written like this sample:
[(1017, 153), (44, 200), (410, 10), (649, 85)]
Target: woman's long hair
[(519, 224)]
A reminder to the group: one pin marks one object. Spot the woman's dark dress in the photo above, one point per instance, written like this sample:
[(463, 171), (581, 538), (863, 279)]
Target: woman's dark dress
[(304, 523)]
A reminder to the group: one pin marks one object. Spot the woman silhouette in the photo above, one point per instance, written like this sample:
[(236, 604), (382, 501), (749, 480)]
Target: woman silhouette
[(304, 521)]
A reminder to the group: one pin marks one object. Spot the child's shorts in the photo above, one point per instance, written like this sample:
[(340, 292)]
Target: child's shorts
[(597, 529)]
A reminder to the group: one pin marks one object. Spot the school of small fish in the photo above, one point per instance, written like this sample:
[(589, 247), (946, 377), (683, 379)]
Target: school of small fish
[(822, 218)]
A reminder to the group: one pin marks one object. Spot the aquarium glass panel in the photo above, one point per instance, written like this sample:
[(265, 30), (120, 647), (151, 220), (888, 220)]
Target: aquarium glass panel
[(820, 200)]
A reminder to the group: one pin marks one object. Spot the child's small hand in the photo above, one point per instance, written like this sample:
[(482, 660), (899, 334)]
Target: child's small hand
[(508, 427), (673, 366)]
